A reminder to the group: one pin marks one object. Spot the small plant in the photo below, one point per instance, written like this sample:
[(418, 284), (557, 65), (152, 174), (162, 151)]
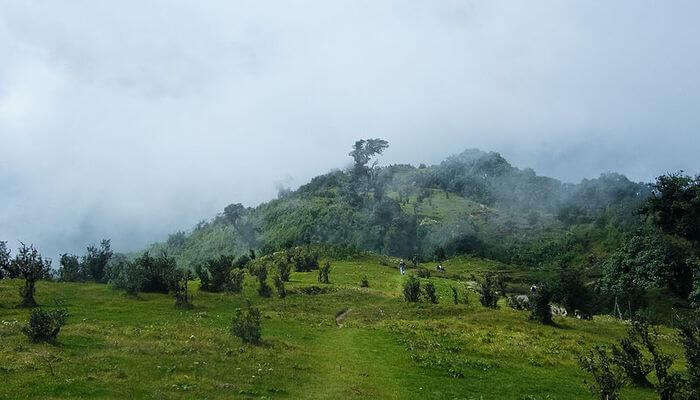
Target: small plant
[(411, 289), (44, 325), (607, 381), (323, 273), (669, 382), (455, 295), (246, 325), (283, 270), (279, 286), (423, 273), (518, 302), (179, 280), (488, 296), (541, 309), (630, 358), (236, 283), (364, 282), (263, 288), (429, 290)]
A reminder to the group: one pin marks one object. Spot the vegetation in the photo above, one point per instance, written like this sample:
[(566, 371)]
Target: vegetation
[(246, 325), (45, 325)]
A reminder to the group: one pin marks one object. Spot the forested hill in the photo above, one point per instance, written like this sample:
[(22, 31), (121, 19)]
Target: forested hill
[(473, 202)]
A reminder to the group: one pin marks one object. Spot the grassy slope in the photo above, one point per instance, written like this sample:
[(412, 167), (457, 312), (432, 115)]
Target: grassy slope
[(117, 347)]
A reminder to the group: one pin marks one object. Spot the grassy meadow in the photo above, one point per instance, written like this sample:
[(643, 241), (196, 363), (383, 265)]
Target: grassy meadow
[(345, 342)]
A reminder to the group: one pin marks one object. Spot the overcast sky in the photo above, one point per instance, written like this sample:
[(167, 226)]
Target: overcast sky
[(132, 119)]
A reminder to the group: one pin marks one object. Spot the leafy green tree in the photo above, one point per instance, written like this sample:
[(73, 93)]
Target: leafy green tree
[(607, 379), (674, 205), (323, 273), (178, 284), (32, 267), (70, 269), (5, 261), (94, 262)]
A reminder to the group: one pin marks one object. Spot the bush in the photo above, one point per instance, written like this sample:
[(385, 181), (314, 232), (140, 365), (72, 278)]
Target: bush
[(126, 275), (70, 269), (44, 325), (607, 381), (323, 273), (158, 272), (541, 309), (263, 288), (630, 358), (488, 296), (571, 292), (689, 331), (518, 302), (411, 289), (215, 274), (236, 282), (283, 270), (429, 290), (304, 260), (364, 282), (246, 325), (179, 280), (423, 273), (669, 383), (279, 286), (455, 295)]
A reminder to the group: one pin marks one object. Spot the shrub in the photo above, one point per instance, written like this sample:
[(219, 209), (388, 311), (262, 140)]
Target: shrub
[(44, 325), (669, 383), (31, 267), (279, 286), (236, 283), (263, 288), (689, 331), (488, 296), (215, 274), (630, 358), (126, 275), (429, 290), (423, 273), (541, 309), (411, 289), (246, 325), (304, 260), (501, 281), (158, 272), (518, 302), (179, 279), (94, 262), (364, 282), (607, 381), (70, 269), (455, 295), (283, 270), (323, 273), (571, 292)]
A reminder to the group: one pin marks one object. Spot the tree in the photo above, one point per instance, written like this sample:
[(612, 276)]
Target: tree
[(363, 150), (96, 259), (70, 269), (4, 260), (32, 267), (178, 283), (674, 205), (607, 380), (233, 212)]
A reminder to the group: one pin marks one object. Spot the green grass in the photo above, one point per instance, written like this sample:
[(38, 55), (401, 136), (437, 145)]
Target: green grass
[(119, 347)]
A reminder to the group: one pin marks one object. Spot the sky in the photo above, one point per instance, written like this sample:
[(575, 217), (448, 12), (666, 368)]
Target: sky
[(133, 119)]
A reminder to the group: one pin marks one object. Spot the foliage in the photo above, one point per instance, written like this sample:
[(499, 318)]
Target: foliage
[(158, 272), (364, 282), (5, 271), (674, 205), (127, 275), (94, 262), (518, 302), (541, 307), (215, 274), (488, 293), (607, 380), (283, 269), (31, 267), (263, 288), (178, 285), (246, 324), (45, 325), (411, 289), (323, 273), (630, 358), (570, 290), (279, 286), (429, 291), (70, 269), (423, 273), (689, 332), (236, 283)]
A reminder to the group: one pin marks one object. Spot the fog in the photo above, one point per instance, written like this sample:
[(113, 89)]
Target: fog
[(133, 119)]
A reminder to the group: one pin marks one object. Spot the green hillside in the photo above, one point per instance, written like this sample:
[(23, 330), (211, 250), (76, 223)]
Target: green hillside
[(347, 342)]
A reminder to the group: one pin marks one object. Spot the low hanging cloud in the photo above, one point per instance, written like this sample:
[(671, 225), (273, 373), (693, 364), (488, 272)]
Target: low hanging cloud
[(133, 119)]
